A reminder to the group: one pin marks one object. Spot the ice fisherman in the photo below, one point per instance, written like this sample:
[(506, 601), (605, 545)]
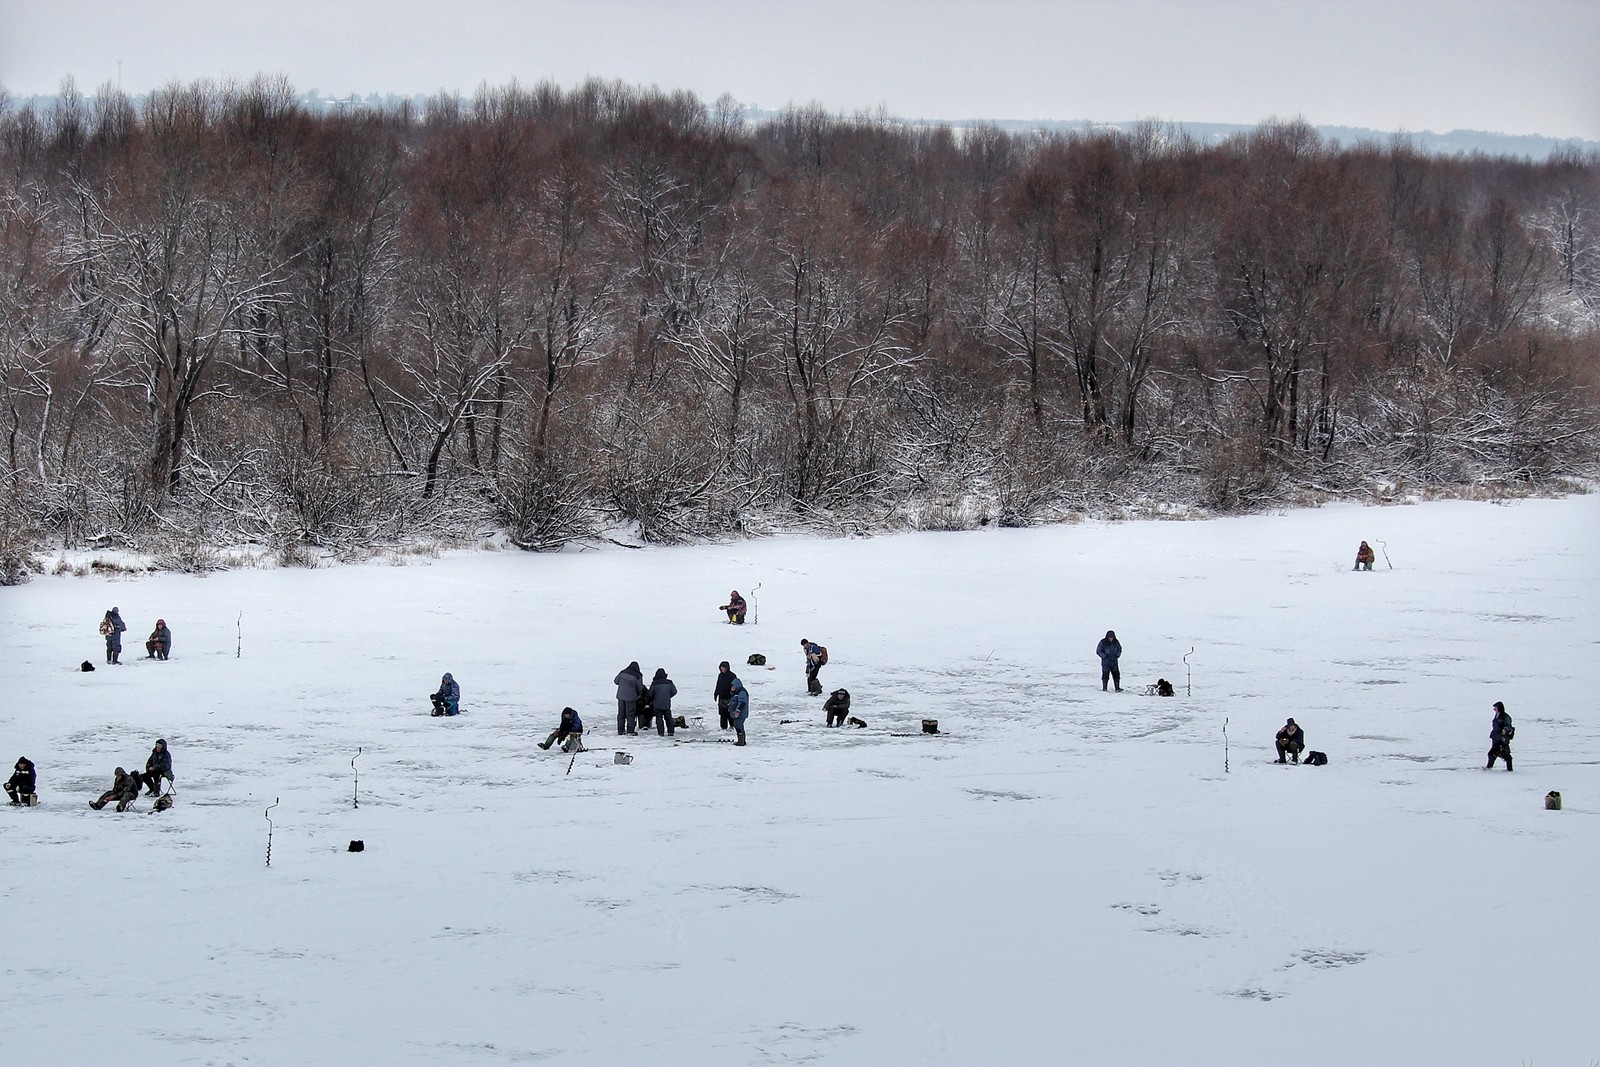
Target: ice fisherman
[(738, 708), (816, 659), (1291, 741), (24, 780), (157, 767), (124, 790), (1500, 734), (630, 687), (447, 700), (662, 690), (568, 734), (1364, 558), (723, 691), (735, 608), (1109, 650), (111, 628), (837, 706), (159, 644)]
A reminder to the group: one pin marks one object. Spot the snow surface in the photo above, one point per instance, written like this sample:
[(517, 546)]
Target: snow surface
[(1061, 876)]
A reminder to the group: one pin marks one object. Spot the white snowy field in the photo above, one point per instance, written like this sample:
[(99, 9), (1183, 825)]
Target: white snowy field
[(1062, 876)]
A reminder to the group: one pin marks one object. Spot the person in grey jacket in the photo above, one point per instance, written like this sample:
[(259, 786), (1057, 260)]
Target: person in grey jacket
[(630, 687), (1109, 650), (157, 767), (661, 693)]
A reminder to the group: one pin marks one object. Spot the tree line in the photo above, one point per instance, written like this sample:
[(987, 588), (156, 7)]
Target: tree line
[(547, 312)]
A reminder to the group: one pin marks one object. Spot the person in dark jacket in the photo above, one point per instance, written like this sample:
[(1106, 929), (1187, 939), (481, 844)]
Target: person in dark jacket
[(447, 700), (1291, 741), (1500, 733), (159, 644), (662, 690), (723, 691), (569, 734), (111, 628), (630, 687), (23, 781), (124, 790), (816, 657), (1364, 558), (735, 608), (837, 706), (157, 767), (1110, 651), (738, 708)]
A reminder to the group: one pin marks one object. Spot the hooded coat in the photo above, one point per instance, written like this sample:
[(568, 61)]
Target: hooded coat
[(662, 690), (630, 683)]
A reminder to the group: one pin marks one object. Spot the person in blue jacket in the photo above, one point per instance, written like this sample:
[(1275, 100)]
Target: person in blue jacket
[(447, 701), (630, 687), (111, 628), (1109, 650), (662, 690), (569, 734), (738, 708)]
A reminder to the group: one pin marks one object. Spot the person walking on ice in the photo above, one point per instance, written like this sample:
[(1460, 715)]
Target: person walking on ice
[(1500, 734), (816, 659), (1109, 650), (568, 734)]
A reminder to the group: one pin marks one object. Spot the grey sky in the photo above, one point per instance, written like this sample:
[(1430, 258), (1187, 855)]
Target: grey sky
[(1504, 65)]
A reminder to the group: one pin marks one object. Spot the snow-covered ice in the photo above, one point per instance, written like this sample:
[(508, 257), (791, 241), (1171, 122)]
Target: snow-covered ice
[(1061, 876)]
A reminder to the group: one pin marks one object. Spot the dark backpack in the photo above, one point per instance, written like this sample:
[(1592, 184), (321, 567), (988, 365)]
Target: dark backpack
[(1507, 732)]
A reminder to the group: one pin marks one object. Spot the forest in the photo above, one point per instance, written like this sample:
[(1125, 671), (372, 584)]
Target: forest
[(539, 314)]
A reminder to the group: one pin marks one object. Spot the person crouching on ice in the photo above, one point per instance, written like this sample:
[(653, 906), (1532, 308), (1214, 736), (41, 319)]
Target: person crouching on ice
[(837, 707), (735, 608), (159, 644), (1291, 742), (569, 735), (1364, 558)]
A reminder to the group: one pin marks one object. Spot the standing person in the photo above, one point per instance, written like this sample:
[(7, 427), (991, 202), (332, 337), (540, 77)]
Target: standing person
[(157, 767), (724, 691), (111, 628), (837, 707), (1500, 734), (1109, 650), (159, 644), (447, 700), (738, 709), (661, 693), (1291, 741), (23, 782), (630, 687), (124, 790), (569, 733), (816, 659), (1364, 558), (735, 608)]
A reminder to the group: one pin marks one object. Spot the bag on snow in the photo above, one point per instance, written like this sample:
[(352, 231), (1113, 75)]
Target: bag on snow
[(757, 660)]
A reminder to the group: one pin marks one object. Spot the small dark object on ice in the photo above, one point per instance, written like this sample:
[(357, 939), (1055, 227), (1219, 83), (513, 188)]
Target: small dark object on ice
[(358, 846), (757, 660), (857, 723), (86, 666), (1163, 688), (1316, 759), (1552, 801), (162, 803), (930, 726)]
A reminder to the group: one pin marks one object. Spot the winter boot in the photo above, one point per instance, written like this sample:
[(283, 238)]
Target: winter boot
[(545, 745), (741, 738), (1508, 763), (97, 804)]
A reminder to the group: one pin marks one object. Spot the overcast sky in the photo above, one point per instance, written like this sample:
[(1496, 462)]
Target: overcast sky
[(1511, 66)]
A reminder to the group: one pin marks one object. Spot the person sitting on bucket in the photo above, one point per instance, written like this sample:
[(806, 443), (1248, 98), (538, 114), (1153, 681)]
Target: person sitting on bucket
[(159, 644), (23, 782), (1364, 558), (569, 735), (1291, 742), (447, 701), (735, 608)]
